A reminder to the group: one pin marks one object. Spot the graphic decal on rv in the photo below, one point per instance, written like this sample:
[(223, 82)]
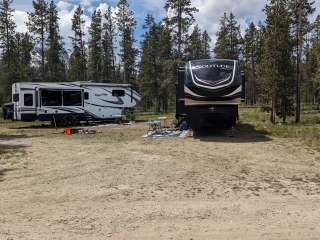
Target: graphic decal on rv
[(64, 109), (118, 102), (102, 106)]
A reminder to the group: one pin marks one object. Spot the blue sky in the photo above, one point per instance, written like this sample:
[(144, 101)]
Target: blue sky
[(210, 11)]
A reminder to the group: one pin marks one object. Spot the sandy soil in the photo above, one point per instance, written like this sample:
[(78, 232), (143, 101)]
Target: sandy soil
[(117, 185)]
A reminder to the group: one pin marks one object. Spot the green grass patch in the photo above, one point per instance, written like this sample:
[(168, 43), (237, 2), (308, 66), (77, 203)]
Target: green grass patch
[(9, 124), (308, 130), (146, 116)]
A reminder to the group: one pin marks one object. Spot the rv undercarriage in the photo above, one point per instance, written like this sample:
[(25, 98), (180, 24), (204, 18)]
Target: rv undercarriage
[(211, 116)]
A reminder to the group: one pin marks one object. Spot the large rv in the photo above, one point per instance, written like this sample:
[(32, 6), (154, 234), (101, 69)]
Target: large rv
[(209, 93), (68, 103)]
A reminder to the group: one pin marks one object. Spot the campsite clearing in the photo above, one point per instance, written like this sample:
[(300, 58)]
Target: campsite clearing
[(117, 185)]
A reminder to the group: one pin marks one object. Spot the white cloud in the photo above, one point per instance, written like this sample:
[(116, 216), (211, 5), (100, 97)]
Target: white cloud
[(21, 18), (64, 6), (86, 3), (210, 12), (103, 7)]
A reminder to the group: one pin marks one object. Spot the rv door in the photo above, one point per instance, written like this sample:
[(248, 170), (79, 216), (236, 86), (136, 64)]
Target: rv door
[(28, 105), (16, 105)]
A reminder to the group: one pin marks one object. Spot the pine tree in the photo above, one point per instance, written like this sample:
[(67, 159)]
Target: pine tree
[(168, 67), (77, 61), (37, 25), (205, 41), (126, 25), (23, 47), (250, 55), (313, 60), (20, 71), (7, 30), (95, 47), (108, 42), (194, 49), (149, 82), (222, 43), (7, 34), (229, 38), (55, 53), (157, 67), (316, 28), (301, 10), (261, 35), (180, 22), (234, 37), (275, 69)]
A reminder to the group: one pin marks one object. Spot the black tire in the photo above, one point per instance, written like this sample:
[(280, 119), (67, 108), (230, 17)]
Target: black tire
[(70, 121)]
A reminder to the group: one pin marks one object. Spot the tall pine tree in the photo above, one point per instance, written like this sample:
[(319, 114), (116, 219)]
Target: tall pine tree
[(7, 30), (55, 52), (22, 57), (38, 25), (7, 34), (78, 61), (275, 70), (301, 10), (206, 41), (149, 65), (182, 17), (250, 56), (313, 60), (95, 47), (168, 67), (108, 47), (126, 24), (222, 43), (229, 38), (194, 49)]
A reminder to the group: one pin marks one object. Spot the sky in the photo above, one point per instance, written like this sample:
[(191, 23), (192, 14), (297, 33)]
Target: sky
[(210, 11)]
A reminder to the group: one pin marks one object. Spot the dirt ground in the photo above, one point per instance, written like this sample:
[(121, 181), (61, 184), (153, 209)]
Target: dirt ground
[(117, 185)]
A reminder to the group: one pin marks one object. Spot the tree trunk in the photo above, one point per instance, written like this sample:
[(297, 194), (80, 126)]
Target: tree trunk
[(284, 110), (273, 110), (299, 53), (42, 57), (179, 31)]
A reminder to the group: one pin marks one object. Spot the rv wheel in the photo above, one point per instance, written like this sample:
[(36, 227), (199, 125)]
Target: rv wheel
[(71, 121)]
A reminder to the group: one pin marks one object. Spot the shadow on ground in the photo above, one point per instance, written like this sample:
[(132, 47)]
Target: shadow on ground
[(43, 126), (4, 171), (11, 149), (14, 137), (242, 133), (6, 151)]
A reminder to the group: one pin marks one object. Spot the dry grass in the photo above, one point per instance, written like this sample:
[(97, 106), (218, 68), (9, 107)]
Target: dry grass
[(308, 130)]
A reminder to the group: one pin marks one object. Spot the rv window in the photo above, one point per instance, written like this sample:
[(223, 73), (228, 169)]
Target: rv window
[(51, 97), (28, 100), (16, 97), (72, 98), (86, 96), (118, 93)]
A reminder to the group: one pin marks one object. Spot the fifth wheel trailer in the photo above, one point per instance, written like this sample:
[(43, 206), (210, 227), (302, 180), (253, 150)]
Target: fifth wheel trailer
[(69, 103), (209, 93)]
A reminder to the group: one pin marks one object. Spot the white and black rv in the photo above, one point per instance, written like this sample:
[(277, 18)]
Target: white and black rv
[(71, 102), (209, 92)]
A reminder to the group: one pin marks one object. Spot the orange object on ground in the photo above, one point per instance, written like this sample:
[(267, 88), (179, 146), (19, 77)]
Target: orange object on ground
[(67, 131)]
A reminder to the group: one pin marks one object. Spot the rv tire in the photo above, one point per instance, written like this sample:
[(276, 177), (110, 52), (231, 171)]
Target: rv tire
[(70, 121)]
